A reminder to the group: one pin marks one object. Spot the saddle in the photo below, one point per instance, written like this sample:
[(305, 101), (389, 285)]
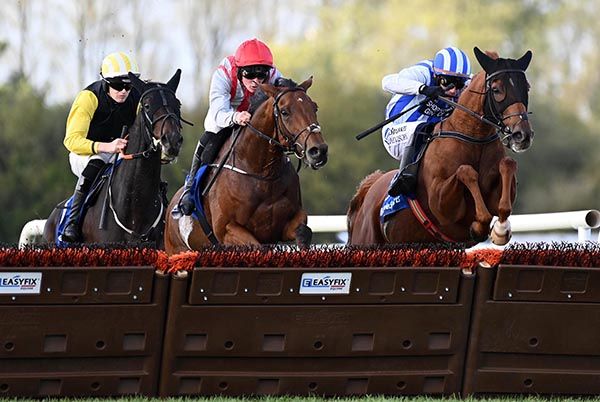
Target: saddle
[(91, 198)]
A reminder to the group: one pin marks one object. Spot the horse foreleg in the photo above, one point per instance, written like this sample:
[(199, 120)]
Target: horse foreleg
[(297, 230), (448, 203), (501, 231), (236, 234)]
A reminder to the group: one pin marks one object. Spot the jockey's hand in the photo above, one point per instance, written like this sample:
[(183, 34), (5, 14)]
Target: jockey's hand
[(117, 145), (241, 118), (432, 91)]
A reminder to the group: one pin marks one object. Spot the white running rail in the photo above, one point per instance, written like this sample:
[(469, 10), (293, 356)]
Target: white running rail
[(583, 221)]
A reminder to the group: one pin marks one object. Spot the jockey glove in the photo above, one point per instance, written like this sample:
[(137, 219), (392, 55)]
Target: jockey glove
[(432, 91)]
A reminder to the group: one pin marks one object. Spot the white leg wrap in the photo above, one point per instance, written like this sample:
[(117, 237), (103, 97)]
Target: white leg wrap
[(501, 232), (186, 225)]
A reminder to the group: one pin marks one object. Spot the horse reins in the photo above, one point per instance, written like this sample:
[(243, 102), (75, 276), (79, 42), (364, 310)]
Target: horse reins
[(149, 123), (148, 129), (499, 125), (289, 137)]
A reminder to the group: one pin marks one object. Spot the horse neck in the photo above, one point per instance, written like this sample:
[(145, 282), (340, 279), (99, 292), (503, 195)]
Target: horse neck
[(472, 98), (136, 182), (257, 152)]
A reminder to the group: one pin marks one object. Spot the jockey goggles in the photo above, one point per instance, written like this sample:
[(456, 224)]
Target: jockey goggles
[(119, 86), (446, 80), (252, 72)]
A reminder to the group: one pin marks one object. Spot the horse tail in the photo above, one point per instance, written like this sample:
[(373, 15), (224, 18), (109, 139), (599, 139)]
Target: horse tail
[(358, 199)]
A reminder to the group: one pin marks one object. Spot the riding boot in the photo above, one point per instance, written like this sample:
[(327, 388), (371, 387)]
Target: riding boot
[(212, 147), (405, 181), (186, 204), (72, 232)]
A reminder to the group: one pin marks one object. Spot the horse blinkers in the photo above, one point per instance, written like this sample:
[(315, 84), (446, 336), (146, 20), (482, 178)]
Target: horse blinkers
[(507, 101)]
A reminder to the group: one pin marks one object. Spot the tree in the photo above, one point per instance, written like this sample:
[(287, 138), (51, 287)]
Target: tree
[(33, 157)]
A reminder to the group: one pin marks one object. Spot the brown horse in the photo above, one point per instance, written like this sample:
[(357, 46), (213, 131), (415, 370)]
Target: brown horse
[(465, 177), (256, 198), (130, 204)]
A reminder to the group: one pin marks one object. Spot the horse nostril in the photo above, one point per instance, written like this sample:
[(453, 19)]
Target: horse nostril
[(518, 136), (313, 152)]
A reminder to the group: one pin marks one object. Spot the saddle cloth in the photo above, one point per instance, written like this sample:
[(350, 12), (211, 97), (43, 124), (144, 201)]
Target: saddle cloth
[(391, 205), (90, 200)]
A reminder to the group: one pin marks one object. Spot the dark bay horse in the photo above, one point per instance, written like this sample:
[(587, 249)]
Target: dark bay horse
[(465, 177), (256, 197), (134, 207)]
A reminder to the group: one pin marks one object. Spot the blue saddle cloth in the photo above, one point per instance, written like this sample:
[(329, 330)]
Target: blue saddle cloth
[(391, 205), (195, 189), (90, 199)]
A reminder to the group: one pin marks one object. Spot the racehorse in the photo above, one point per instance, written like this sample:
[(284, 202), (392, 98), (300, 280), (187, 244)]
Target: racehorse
[(130, 203), (465, 177), (255, 197)]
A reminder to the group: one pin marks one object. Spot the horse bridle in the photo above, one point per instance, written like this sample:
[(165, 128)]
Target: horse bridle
[(293, 146), (150, 123), (148, 129), (492, 104), (496, 115)]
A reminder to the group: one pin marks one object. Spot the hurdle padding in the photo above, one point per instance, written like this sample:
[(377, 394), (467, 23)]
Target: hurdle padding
[(260, 331), (535, 329), (93, 331)]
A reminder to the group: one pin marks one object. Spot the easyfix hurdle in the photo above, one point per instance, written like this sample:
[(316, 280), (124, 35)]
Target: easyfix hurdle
[(535, 329), (93, 331), (507, 322), (252, 331)]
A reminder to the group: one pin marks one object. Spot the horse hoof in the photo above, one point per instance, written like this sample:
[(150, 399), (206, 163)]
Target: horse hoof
[(501, 233), (478, 232), (303, 235)]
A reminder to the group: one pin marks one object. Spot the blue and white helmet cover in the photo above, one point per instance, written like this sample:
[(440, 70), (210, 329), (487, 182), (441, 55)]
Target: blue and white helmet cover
[(452, 61)]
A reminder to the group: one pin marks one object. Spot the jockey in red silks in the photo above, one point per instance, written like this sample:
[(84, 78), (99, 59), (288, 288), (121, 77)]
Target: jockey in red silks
[(233, 83)]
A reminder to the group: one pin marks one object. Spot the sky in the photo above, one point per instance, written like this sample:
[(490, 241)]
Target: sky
[(51, 41)]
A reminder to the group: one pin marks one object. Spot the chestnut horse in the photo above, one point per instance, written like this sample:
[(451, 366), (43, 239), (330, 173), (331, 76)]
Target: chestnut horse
[(131, 201), (465, 177), (256, 197)]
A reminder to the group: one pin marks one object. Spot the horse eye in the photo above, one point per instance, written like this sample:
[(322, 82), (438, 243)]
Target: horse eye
[(284, 112), (147, 106)]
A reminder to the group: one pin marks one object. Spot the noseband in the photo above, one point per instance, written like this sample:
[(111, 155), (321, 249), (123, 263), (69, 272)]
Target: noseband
[(496, 119), (292, 145), (150, 123)]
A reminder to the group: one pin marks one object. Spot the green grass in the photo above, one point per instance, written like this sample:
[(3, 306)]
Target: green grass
[(507, 398)]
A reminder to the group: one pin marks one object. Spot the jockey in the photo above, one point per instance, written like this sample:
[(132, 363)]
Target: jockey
[(94, 127), (445, 75), (233, 83)]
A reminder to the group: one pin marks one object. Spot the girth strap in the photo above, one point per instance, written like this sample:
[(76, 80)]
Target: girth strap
[(433, 230)]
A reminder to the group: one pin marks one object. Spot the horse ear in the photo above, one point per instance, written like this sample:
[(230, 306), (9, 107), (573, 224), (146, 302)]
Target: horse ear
[(306, 84), (269, 89), (484, 60), (136, 82), (174, 81), (524, 61)]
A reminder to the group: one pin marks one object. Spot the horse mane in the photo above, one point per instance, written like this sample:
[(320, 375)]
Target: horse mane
[(260, 97), (359, 197)]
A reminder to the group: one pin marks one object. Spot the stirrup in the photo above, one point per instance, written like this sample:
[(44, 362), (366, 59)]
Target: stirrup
[(404, 184), (74, 237), (186, 203)]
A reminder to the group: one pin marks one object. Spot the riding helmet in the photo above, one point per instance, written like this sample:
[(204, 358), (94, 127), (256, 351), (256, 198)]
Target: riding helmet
[(253, 52), (452, 61), (116, 65)]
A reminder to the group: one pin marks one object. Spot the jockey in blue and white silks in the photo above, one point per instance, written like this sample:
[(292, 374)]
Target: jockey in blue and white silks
[(420, 84)]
